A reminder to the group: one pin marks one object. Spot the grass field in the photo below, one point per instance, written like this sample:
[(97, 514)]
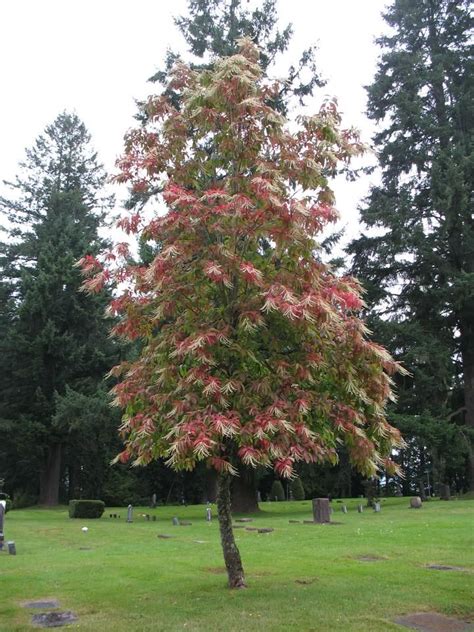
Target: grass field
[(122, 577)]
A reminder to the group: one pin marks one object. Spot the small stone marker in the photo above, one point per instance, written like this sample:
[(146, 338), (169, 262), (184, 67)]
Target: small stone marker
[(130, 513), (377, 507), (208, 514), (321, 510), (443, 567), (243, 520), (294, 521), (53, 619), (11, 548), (49, 603), (444, 492), (259, 497), (251, 528), (415, 503), (265, 530), (185, 523), (176, 521), (153, 501), (344, 509), (163, 536), (3, 504), (360, 508), (147, 516)]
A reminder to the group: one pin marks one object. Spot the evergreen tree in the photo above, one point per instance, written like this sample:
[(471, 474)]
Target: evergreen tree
[(54, 345), (418, 263)]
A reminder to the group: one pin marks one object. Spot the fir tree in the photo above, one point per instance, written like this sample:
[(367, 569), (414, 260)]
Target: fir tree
[(54, 346), (418, 263)]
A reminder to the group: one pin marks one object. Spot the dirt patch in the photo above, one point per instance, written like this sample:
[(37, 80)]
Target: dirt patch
[(369, 558), (442, 567), (216, 570), (433, 622), (307, 581)]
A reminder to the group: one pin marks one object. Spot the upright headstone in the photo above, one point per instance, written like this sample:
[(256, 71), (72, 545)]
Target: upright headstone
[(130, 513), (153, 501), (377, 507), (415, 503), (259, 497), (3, 505), (321, 510), (11, 548), (360, 508), (176, 521), (444, 492), (208, 514), (344, 509)]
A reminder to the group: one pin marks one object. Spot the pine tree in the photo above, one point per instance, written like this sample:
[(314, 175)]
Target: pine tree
[(54, 345), (418, 263), (253, 351)]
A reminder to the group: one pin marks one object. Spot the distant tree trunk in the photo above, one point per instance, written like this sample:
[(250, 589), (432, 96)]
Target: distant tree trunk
[(244, 491), (233, 563), (49, 477), (467, 354)]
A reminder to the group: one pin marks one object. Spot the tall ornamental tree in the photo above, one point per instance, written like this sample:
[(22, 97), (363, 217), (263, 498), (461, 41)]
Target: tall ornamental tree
[(253, 352), (211, 29), (54, 345), (418, 263)]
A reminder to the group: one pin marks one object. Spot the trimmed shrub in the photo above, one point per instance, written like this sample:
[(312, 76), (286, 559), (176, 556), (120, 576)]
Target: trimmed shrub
[(297, 489), (277, 492), (86, 508)]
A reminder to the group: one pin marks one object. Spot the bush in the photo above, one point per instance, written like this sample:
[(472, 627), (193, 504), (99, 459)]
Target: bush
[(297, 489), (277, 492), (86, 508), (23, 499)]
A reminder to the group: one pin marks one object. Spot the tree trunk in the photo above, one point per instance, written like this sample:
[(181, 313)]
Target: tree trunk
[(233, 563), (244, 491), (467, 354), (49, 477)]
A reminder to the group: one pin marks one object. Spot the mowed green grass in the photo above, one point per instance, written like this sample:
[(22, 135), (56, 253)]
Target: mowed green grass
[(122, 577)]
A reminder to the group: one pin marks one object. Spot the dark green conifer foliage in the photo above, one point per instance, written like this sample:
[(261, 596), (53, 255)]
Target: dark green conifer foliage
[(417, 259), (54, 346)]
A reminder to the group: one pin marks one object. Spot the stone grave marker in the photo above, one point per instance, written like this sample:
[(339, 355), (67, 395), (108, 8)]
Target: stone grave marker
[(153, 501), (360, 508), (344, 509), (176, 521), (321, 513), (415, 503), (208, 514), (377, 507), (130, 513), (53, 619), (444, 492), (2, 520)]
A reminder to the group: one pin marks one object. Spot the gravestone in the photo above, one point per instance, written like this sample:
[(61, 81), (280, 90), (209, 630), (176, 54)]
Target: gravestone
[(53, 619), (321, 510), (344, 509), (176, 521), (444, 492), (2, 519), (360, 508), (415, 503), (377, 507), (11, 547), (208, 514), (130, 513), (153, 501)]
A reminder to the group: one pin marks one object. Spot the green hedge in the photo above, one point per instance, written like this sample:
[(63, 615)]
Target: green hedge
[(277, 492), (86, 508), (297, 489)]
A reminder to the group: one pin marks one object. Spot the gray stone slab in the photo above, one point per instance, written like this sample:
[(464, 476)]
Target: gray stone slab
[(42, 604), (442, 567), (53, 619)]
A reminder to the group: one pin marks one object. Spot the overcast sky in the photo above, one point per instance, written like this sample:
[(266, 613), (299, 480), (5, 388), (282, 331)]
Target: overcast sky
[(94, 57)]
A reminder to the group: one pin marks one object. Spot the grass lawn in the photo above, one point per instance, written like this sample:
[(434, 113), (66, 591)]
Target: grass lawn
[(122, 577)]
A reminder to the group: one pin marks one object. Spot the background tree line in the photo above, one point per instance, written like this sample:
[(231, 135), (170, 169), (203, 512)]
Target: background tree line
[(415, 257)]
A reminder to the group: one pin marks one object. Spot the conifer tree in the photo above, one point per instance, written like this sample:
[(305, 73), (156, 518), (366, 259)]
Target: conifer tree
[(418, 263), (54, 344)]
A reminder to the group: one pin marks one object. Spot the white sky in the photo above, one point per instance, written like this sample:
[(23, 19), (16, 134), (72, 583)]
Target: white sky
[(94, 57)]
